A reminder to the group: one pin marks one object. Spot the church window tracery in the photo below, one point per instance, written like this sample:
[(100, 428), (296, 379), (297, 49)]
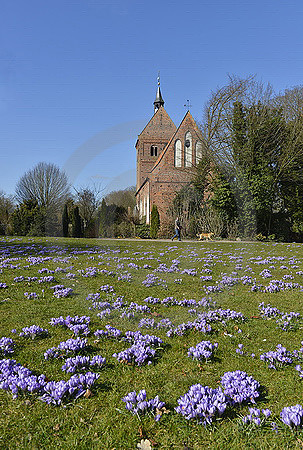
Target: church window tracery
[(178, 153), (199, 152), (188, 150)]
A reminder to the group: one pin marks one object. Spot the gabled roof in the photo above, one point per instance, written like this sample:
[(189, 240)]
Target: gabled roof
[(155, 121), (144, 182), (195, 126)]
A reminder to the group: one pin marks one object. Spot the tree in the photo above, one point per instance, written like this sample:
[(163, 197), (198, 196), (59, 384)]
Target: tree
[(45, 183), (256, 141), (6, 210), (28, 219), (65, 221), (125, 198), (218, 115), (103, 218), (88, 201), (116, 214), (188, 205), (222, 199), (76, 223), (154, 222), (48, 186)]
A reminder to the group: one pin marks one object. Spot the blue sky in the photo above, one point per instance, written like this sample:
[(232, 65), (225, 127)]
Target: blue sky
[(78, 78)]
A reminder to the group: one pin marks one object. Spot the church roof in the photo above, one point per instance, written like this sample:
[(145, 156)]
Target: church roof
[(195, 126), (157, 121)]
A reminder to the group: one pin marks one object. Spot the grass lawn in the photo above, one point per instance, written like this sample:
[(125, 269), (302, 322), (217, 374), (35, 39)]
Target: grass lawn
[(168, 284)]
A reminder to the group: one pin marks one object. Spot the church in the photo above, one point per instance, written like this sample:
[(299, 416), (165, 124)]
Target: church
[(166, 160)]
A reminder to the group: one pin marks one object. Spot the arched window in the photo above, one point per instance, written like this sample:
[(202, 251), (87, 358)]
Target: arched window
[(198, 152), (153, 151), (178, 153), (188, 150)]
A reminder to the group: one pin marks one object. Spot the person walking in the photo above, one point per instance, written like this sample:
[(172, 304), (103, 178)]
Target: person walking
[(177, 230)]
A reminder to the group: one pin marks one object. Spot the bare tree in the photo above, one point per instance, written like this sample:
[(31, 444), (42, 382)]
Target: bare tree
[(217, 121), (88, 201), (291, 103), (46, 184)]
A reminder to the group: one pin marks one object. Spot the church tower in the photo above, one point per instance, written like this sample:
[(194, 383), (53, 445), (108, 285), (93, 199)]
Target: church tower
[(166, 160), (153, 139)]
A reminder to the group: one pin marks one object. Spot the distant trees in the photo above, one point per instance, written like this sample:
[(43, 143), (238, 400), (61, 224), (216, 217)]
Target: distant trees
[(46, 207), (6, 210), (46, 184), (124, 197), (44, 188), (88, 202), (114, 221), (116, 214), (248, 183)]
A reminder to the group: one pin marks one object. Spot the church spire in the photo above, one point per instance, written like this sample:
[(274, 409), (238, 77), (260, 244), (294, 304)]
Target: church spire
[(159, 100)]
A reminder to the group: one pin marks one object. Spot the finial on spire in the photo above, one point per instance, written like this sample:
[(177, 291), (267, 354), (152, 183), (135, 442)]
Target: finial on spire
[(187, 105), (159, 100)]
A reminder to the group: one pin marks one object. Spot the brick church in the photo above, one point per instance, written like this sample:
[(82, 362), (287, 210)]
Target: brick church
[(166, 159)]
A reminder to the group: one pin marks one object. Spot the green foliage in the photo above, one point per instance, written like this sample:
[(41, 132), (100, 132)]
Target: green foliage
[(125, 198), (223, 199), (29, 219), (103, 218), (6, 210), (143, 231), (65, 221), (125, 229), (77, 223), (256, 140), (201, 180), (260, 189), (111, 217), (154, 222)]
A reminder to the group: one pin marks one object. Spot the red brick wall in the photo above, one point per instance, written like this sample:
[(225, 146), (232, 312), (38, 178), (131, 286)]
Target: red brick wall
[(165, 180), (157, 132)]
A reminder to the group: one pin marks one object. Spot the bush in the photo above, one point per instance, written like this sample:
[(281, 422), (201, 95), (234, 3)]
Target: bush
[(143, 231), (125, 229)]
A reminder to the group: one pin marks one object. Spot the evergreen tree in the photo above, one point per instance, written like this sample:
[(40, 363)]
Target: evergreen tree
[(154, 222), (76, 224), (65, 221), (223, 199), (103, 218), (29, 219), (258, 139)]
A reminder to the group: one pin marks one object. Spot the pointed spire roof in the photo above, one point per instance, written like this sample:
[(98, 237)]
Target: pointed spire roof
[(159, 99)]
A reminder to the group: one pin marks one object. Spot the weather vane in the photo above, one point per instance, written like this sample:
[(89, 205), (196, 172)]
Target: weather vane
[(188, 105)]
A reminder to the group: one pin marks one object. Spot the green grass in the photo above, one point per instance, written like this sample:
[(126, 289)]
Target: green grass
[(102, 420)]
